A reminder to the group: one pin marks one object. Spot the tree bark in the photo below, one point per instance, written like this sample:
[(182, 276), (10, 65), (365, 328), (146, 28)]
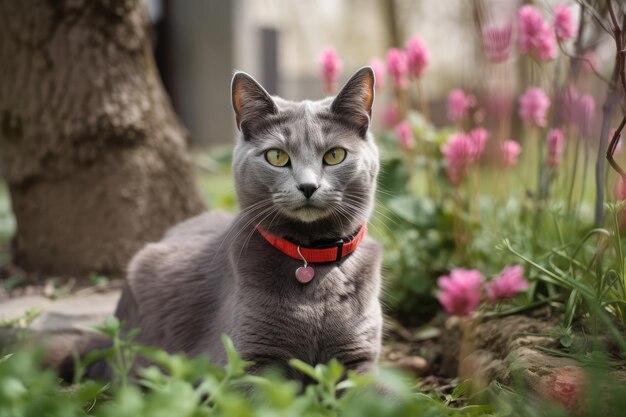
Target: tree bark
[(95, 159), (392, 25)]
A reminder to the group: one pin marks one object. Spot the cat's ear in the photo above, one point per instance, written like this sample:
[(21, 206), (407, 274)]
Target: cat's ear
[(250, 101), (354, 102)]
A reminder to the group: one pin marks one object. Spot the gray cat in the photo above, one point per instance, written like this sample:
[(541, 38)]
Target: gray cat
[(305, 173)]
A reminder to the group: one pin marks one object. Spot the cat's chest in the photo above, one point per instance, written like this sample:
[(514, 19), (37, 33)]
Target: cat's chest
[(269, 289), (295, 319), (281, 318), (332, 286)]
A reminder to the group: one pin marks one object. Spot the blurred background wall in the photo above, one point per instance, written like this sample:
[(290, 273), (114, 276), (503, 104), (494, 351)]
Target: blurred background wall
[(199, 43)]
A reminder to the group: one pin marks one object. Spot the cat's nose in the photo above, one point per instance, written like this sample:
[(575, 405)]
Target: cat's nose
[(307, 189)]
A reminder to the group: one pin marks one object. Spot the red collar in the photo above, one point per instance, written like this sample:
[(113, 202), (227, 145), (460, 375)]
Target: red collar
[(331, 252)]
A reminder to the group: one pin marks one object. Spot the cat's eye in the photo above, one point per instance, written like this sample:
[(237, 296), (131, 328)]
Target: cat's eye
[(277, 157), (335, 156)]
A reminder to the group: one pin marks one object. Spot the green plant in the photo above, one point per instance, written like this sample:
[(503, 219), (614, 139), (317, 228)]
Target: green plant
[(175, 385), (7, 221), (585, 278), (181, 386)]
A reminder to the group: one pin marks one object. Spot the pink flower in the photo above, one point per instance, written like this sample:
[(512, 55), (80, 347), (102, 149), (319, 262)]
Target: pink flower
[(545, 45), (479, 137), (459, 104), (534, 104), (391, 117), (563, 23), (511, 151), (556, 146), (380, 72), (530, 22), (460, 292), (398, 67), (331, 67), (508, 284), (497, 42), (536, 37), (417, 56), (405, 135), (458, 152)]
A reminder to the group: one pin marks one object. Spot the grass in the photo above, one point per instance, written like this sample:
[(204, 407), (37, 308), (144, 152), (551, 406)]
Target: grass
[(7, 224), (7, 221), (214, 176), (218, 190)]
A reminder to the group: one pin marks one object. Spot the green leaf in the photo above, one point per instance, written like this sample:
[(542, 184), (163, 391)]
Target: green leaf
[(335, 371), (566, 340), (461, 389), (13, 282), (113, 323), (131, 334), (419, 211), (235, 365), (305, 368), (111, 327), (89, 391)]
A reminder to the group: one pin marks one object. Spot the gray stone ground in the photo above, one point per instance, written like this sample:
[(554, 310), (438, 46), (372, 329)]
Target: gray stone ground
[(75, 312)]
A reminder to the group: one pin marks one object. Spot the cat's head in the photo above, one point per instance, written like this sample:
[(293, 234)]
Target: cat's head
[(308, 169)]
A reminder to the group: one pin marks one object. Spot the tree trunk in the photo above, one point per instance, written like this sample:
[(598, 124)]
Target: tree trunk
[(95, 159), (392, 25)]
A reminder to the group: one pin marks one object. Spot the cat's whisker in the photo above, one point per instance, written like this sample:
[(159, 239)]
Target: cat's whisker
[(387, 193), (250, 222), (253, 230), (278, 212), (335, 216), (358, 211), (376, 210), (256, 206)]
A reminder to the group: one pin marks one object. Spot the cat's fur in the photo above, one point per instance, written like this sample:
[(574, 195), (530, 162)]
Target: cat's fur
[(214, 274)]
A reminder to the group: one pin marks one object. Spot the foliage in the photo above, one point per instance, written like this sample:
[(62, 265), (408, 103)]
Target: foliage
[(584, 277), (177, 385), (7, 227), (181, 386), (215, 178), (7, 222), (449, 195)]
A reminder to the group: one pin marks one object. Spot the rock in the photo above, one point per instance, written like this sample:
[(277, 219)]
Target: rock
[(506, 350), (64, 314), (48, 289), (482, 367), (477, 350), (451, 341), (414, 364)]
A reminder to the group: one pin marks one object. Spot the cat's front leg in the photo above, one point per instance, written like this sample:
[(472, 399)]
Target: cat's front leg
[(362, 363), (359, 351)]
